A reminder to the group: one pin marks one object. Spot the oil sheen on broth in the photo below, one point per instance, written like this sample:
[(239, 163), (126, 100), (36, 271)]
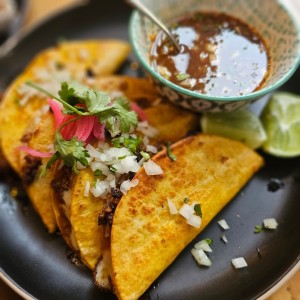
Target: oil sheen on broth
[(220, 55)]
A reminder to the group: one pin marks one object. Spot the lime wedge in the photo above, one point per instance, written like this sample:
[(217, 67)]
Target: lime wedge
[(241, 125), (281, 120)]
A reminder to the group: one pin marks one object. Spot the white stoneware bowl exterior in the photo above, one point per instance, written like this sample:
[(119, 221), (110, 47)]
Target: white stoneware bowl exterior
[(280, 32)]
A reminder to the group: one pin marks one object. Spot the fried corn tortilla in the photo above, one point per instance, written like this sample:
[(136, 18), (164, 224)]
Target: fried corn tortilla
[(172, 124), (38, 187), (80, 60), (145, 237), (84, 61)]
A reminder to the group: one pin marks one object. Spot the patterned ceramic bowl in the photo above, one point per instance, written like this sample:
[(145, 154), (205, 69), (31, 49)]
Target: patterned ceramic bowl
[(278, 29)]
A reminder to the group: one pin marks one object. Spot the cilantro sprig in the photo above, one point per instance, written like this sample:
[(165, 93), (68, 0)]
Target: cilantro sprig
[(70, 151), (114, 114)]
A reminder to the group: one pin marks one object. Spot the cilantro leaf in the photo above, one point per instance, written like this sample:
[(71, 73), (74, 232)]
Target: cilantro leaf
[(118, 118), (115, 115), (197, 209), (74, 92), (71, 151), (50, 162)]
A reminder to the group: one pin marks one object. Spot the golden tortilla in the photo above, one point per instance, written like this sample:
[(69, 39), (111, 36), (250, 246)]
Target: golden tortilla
[(39, 190), (84, 219), (145, 237)]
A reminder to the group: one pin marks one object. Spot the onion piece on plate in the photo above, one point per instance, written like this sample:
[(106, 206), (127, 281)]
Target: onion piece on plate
[(201, 258), (239, 262)]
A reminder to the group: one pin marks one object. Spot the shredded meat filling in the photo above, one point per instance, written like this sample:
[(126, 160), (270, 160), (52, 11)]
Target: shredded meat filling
[(107, 213), (26, 137), (62, 182), (30, 169)]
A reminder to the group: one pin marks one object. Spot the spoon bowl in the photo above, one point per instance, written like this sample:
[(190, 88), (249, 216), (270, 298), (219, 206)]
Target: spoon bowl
[(145, 10)]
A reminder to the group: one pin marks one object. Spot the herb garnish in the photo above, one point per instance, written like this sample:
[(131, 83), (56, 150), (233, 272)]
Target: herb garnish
[(113, 169), (186, 200), (71, 151), (80, 100), (169, 152), (145, 155), (197, 209), (259, 228), (182, 76), (114, 114), (209, 241), (130, 143), (98, 173)]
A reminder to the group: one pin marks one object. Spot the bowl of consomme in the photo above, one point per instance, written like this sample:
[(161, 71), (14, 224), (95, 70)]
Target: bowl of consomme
[(232, 52)]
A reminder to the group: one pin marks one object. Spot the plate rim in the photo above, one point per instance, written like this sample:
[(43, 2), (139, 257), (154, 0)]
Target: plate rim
[(12, 43), (25, 295)]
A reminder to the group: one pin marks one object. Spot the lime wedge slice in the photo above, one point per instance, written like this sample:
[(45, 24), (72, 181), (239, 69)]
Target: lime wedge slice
[(281, 120), (241, 125)]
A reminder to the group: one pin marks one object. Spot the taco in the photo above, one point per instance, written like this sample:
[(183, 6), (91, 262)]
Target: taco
[(145, 236), (84, 210)]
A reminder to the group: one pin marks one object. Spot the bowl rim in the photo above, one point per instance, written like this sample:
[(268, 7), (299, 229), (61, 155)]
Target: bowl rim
[(253, 95)]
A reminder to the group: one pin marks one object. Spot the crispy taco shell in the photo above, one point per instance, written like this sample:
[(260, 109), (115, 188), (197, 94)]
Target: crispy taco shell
[(145, 237), (37, 186)]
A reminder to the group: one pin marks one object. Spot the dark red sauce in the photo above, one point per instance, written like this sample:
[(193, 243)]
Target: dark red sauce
[(220, 55)]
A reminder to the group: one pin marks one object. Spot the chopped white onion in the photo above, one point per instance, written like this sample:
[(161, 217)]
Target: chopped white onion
[(151, 168), (270, 223), (100, 189), (200, 257), (239, 262), (145, 128), (150, 148), (44, 109), (223, 224), (130, 164), (194, 221), (203, 245), (172, 207), (127, 185), (224, 238), (146, 140), (93, 152), (97, 165), (87, 188), (186, 211)]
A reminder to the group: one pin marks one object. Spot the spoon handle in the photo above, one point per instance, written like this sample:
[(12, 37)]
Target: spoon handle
[(142, 8)]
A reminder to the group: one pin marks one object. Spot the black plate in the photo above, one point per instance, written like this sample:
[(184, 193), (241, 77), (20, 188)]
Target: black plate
[(40, 263)]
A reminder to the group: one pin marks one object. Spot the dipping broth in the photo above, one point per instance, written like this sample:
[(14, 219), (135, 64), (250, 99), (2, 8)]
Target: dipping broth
[(220, 55)]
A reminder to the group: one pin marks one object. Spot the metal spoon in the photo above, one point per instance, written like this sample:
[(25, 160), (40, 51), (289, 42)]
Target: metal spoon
[(143, 9)]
